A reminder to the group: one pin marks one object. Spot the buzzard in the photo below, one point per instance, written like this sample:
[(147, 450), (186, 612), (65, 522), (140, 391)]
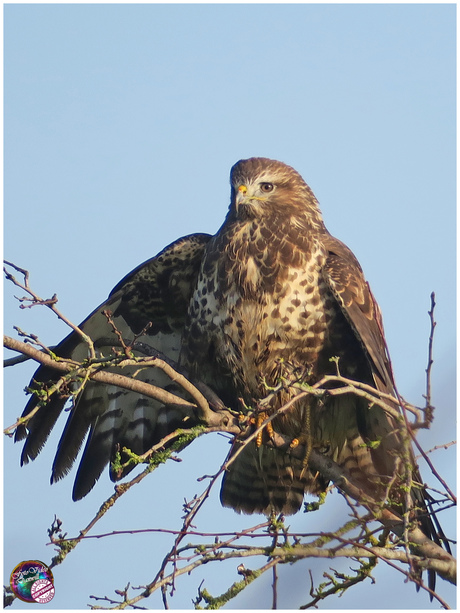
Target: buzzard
[(270, 303)]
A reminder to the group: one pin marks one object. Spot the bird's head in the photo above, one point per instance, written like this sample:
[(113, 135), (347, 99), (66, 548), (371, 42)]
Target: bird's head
[(262, 188)]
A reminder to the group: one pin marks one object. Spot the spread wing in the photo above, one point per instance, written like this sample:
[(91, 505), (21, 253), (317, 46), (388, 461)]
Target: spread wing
[(156, 292)]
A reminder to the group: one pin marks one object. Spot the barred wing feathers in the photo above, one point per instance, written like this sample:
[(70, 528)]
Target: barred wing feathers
[(156, 292)]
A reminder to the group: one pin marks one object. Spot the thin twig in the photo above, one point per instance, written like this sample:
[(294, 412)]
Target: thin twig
[(425, 554), (430, 352), (49, 302), (275, 587)]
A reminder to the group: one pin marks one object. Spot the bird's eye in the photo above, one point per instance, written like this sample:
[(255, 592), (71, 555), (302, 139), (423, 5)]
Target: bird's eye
[(267, 187)]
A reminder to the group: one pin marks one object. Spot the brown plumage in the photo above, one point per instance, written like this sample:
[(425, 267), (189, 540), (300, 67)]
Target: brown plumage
[(271, 297), (278, 297)]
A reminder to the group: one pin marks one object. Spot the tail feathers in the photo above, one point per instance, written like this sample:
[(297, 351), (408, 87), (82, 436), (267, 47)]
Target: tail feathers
[(425, 516), (264, 480), (436, 532)]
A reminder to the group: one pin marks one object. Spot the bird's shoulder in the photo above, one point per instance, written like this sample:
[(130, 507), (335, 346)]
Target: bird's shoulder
[(159, 290)]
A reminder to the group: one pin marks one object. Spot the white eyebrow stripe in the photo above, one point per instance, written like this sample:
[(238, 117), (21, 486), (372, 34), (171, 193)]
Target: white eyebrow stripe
[(265, 177)]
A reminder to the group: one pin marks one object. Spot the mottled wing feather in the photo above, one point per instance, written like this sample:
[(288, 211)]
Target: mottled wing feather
[(162, 286), (156, 292), (346, 280), (357, 302)]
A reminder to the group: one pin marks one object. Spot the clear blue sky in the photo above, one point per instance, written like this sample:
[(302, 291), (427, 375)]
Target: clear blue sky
[(121, 125)]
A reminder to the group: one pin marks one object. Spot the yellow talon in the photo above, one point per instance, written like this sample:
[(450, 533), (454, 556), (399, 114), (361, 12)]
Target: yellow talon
[(260, 418), (270, 430)]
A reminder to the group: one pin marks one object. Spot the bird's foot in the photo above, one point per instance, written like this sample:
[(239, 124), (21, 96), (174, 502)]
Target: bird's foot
[(260, 417), (306, 441)]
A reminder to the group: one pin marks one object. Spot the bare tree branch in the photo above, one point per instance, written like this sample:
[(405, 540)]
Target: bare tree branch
[(411, 547), (35, 299), (324, 465)]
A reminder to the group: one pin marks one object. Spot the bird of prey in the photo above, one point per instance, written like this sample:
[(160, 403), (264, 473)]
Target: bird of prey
[(270, 303)]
